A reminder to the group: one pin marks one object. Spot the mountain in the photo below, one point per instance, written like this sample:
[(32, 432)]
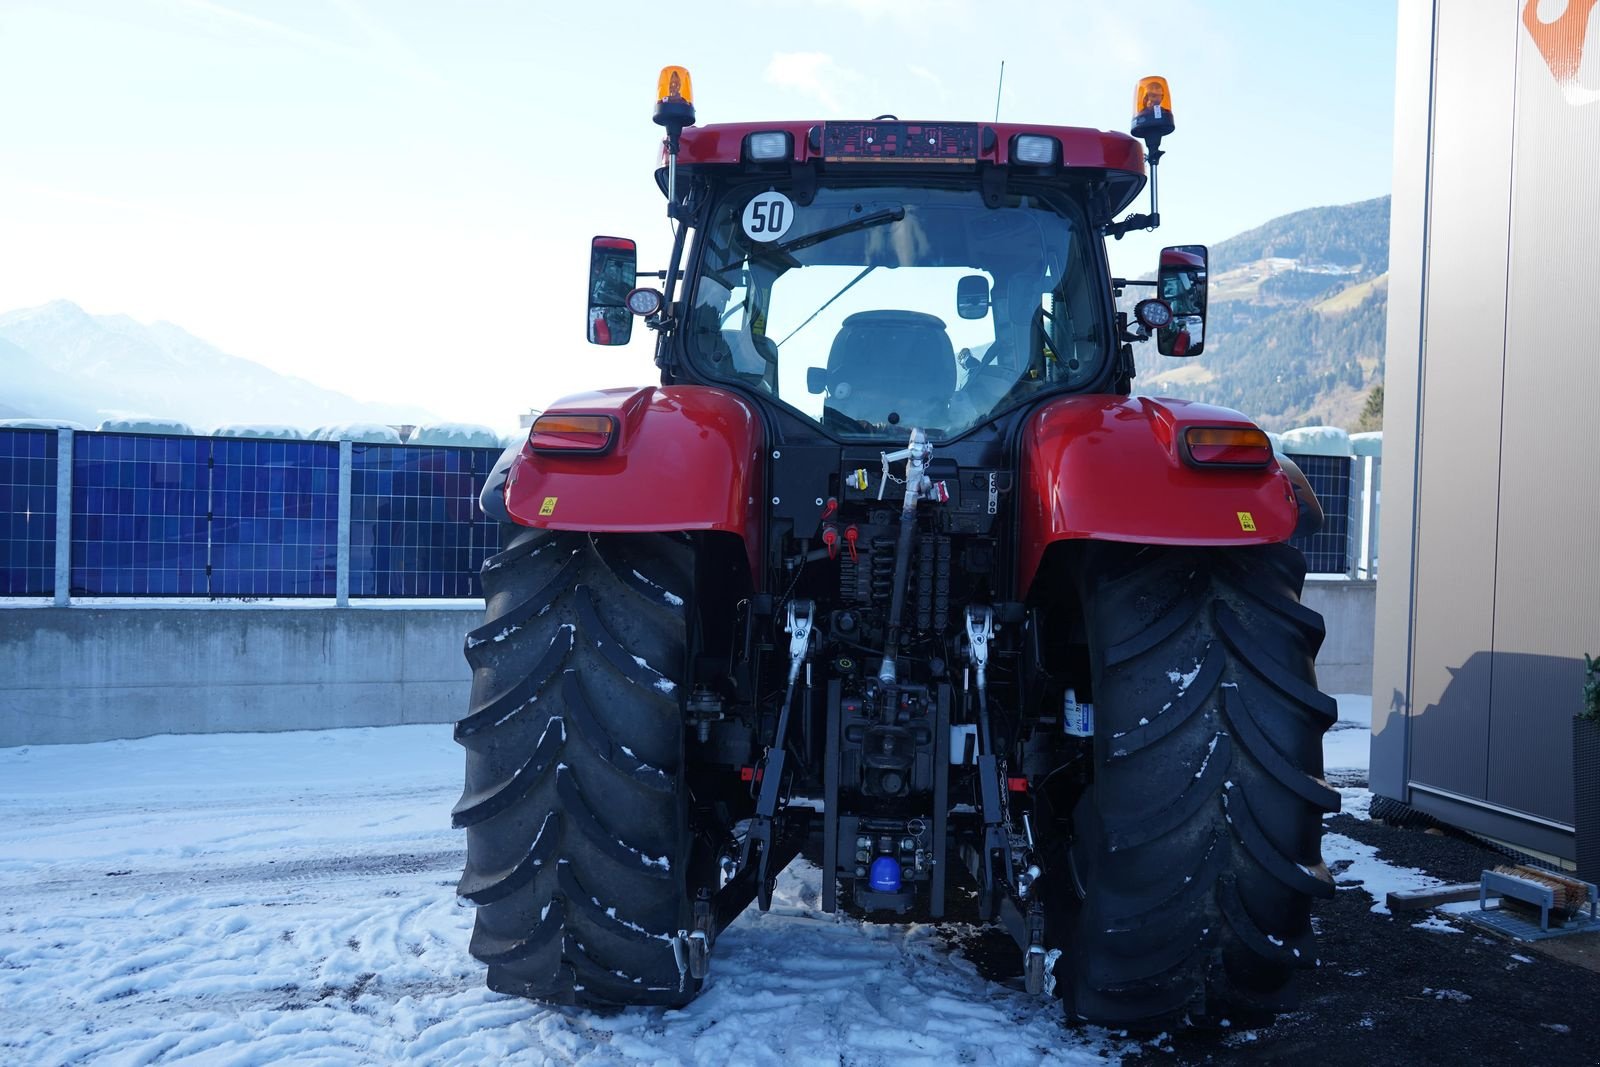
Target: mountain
[(60, 362), (1296, 323)]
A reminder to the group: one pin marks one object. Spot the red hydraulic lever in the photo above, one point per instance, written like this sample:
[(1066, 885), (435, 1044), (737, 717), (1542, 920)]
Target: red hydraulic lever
[(850, 535), (830, 537)]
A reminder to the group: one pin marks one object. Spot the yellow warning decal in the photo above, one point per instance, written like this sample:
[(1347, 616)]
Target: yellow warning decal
[(1247, 522), (549, 508)]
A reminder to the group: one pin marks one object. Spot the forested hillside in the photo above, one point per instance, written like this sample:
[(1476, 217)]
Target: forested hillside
[(1298, 312)]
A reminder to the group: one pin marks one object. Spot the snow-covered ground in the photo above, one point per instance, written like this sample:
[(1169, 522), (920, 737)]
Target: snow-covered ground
[(275, 898), (1347, 746)]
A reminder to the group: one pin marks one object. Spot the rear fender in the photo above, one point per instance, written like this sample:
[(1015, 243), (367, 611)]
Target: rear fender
[(685, 457), (1108, 468)]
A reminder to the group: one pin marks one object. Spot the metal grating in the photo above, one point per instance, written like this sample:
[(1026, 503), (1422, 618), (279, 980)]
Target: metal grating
[(139, 515), (28, 496), (415, 527), (274, 517), (1328, 550)]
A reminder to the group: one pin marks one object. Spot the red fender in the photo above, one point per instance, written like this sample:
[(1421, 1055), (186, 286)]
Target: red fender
[(686, 457), (1108, 468)]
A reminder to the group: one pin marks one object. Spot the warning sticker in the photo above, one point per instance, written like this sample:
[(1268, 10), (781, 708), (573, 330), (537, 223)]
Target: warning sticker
[(549, 507), (1247, 522), (767, 217)]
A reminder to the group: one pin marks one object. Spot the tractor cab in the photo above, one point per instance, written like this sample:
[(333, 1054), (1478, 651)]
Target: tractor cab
[(872, 276)]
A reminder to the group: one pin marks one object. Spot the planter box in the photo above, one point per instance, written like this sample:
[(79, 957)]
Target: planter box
[(1586, 796)]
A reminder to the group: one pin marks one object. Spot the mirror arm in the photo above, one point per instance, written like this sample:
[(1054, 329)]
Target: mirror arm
[(1143, 222)]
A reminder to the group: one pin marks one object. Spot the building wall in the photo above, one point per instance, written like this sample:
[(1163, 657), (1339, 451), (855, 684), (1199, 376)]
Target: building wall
[(1491, 577), (92, 674)]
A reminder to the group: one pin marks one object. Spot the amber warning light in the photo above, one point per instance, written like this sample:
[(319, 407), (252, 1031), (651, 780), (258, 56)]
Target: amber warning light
[(674, 98), (1224, 446), (1152, 109), (572, 433)]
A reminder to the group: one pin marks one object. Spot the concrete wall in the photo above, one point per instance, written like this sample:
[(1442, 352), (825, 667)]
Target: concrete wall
[(1348, 610), (83, 673), (90, 674)]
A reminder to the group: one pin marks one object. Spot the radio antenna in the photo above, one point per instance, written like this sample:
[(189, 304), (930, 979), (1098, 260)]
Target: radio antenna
[(997, 89)]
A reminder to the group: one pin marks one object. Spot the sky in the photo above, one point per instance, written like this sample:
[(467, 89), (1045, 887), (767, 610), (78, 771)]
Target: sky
[(395, 199)]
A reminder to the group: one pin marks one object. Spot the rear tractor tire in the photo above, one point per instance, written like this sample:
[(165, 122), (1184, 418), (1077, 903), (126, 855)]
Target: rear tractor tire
[(1196, 851), (578, 843)]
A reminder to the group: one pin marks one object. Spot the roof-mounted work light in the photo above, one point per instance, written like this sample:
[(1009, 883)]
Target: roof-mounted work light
[(674, 111)]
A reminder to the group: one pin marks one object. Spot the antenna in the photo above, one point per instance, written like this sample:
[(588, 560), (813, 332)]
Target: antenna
[(997, 89)]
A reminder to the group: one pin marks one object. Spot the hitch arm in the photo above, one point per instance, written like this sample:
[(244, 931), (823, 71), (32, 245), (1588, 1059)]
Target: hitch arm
[(760, 838)]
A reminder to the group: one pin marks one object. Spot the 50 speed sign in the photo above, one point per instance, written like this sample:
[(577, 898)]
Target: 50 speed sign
[(768, 216)]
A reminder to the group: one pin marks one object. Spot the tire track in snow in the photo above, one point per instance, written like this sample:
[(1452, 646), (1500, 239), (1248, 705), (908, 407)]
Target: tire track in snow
[(202, 879)]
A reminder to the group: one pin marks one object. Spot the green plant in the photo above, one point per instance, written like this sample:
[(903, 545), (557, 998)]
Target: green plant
[(1591, 689)]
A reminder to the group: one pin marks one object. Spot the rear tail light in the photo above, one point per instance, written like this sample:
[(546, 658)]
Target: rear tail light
[(1226, 446), (572, 433)]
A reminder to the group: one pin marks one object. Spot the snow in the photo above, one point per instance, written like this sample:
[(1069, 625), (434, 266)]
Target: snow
[(41, 424), (289, 898), (270, 430), (1367, 444), (1184, 678), (456, 435), (368, 432), (1347, 746), (1210, 751), (1375, 877), (1438, 925), (667, 595), (145, 424), (1316, 441)]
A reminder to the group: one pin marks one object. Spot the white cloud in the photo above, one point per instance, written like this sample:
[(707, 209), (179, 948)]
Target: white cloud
[(812, 74)]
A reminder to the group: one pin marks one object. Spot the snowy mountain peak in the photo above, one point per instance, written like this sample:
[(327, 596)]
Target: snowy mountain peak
[(59, 361)]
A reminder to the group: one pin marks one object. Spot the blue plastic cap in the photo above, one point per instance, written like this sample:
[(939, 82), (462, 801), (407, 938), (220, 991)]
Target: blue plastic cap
[(884, 875)]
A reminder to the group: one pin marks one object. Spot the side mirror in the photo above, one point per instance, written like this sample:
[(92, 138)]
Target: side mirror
[(972, 296), (613, 270), (1181, 283), (816, 379)]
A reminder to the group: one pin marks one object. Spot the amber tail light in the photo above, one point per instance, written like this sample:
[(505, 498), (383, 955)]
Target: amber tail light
[(572, 433), (1222, 446)]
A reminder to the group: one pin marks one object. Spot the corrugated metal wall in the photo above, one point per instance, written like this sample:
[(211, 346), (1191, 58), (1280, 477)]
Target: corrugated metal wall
[(1494, 377)]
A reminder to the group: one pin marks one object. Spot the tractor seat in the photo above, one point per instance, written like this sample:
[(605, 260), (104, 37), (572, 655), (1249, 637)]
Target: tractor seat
[(891, 361)]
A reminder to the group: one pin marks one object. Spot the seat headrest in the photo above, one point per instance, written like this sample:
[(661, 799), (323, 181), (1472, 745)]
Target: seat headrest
[(893, 361)]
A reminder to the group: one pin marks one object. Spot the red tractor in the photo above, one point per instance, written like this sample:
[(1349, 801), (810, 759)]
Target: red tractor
[(894, 572)]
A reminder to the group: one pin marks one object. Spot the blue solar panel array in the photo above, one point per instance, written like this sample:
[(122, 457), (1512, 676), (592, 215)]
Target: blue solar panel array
[(139, 506), (239, 517), (236, 517), (1328, 550), (274, 517), (415, 527), (28, 493)]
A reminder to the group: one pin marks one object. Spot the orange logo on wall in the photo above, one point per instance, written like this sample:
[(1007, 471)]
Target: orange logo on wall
[(1561, 43)]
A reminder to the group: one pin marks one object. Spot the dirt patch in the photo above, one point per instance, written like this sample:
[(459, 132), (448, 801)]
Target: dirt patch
[(1419, 988), (1579, 950)]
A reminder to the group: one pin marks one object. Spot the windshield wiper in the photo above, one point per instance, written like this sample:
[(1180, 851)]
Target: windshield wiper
[(877, 218), (848, 286)]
